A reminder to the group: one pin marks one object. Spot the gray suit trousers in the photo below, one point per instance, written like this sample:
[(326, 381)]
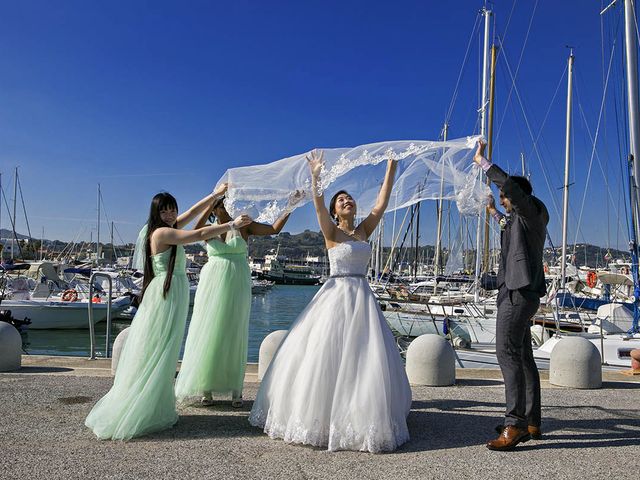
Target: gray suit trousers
[(515, 357)]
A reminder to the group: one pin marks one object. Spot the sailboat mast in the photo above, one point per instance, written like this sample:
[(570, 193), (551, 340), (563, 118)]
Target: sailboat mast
[(98, 230), (485, 76), (375, 254), (492, 92), (15, 198), (631, 49), (415, 261), (483, 131), (113, 248), (1, 249), (567, 152), (436, 264), (632, 98)]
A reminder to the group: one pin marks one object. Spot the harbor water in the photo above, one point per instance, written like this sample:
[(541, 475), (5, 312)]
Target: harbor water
[(273, 310)]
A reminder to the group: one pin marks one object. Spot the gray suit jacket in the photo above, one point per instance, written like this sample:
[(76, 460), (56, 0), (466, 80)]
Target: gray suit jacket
[(522, 267)]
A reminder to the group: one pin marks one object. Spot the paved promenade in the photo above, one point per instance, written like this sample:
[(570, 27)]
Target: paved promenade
[(587, 434)]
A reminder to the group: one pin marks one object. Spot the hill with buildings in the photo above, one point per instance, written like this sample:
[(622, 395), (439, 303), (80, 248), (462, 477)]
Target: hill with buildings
[(294, 246)]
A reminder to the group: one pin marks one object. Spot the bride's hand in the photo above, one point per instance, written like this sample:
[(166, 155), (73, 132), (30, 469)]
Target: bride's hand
[(315, 162), (391, 156)]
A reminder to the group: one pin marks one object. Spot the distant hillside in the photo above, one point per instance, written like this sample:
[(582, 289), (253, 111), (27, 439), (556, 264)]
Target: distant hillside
[(293, 246), (588, 255), (4, 233), (309, 243), (312, 243)]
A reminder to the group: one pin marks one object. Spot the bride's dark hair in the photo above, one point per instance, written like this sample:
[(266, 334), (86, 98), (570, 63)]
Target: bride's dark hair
[(161, 201), (332, 204)]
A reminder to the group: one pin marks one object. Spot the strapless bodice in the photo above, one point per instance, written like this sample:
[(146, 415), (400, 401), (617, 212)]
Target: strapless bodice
[(350, 258)]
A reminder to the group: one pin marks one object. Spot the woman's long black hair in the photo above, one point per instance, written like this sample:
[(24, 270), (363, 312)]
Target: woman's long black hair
[(161, 201)]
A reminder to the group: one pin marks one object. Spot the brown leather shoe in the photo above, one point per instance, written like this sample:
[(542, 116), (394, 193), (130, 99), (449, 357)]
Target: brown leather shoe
[(509, 438), (535, 432)]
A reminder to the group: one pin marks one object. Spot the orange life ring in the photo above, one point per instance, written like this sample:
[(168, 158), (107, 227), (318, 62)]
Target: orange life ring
[(546, 269), (69, 295), (592, 279)]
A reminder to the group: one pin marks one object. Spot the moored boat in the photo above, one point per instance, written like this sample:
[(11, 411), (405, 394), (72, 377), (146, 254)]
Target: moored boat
[(49, 313)]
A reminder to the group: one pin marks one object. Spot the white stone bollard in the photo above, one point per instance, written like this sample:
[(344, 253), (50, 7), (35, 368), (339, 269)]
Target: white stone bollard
[(431, 361), (10, 348), (575, 363), (116, 349), (268, 349)]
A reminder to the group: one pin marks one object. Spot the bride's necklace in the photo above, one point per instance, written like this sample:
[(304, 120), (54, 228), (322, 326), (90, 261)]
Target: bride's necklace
[(351, 233)]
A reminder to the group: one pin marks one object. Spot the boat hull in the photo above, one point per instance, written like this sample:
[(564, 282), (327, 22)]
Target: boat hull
[(471, 329), (45, 315)]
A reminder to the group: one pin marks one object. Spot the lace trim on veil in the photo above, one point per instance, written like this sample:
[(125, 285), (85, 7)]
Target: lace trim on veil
[(426, 170)]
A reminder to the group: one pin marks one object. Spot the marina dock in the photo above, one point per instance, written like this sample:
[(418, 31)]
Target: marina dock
[(587, 433)]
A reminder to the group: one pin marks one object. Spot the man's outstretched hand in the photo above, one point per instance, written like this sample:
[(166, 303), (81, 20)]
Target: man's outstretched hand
[(479, 155)]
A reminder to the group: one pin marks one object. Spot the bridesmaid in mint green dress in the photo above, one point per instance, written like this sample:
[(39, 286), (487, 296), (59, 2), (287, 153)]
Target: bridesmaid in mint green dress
[(142, 399), (215, 354)]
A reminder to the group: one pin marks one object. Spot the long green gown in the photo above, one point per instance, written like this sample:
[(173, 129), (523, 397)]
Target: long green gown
[(215, 354), (141, 400)]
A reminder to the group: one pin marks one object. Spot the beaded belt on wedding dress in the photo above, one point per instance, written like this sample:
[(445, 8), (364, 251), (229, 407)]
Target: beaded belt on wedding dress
[(342, 275)]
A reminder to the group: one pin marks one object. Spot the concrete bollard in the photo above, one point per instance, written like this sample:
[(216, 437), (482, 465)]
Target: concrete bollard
[(575, 363), (118, 346), (10, 348), (431, 361), (268, 349)]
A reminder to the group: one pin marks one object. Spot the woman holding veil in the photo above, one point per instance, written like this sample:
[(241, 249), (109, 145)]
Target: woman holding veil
[(215, 353), (141, 400), (337, 380)]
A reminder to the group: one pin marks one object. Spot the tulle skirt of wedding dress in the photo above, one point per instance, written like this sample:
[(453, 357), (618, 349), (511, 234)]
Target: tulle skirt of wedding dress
[(337, 380)]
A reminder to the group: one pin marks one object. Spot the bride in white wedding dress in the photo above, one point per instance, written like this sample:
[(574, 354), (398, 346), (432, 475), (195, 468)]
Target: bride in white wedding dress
[(337, 380)]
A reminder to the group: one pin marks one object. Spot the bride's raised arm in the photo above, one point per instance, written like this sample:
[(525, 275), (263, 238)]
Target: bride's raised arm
[(370, 223), (324, 218)]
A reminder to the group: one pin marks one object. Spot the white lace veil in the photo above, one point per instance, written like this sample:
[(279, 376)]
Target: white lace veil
[(427, 170), (139, 252)]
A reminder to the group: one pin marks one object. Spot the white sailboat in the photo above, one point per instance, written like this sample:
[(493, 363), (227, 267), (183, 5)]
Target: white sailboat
[(46, 313), (614, 348)]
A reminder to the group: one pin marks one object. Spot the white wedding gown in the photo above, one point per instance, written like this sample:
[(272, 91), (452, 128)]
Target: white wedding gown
[(337, 380)]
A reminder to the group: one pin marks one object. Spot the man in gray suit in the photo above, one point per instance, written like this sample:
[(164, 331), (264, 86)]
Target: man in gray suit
[(521, 284)]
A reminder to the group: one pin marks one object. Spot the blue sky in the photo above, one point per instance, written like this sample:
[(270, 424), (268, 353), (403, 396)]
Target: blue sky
[(143, 96)]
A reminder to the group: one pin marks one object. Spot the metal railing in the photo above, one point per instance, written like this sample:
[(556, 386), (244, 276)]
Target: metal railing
[(92, 330)]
